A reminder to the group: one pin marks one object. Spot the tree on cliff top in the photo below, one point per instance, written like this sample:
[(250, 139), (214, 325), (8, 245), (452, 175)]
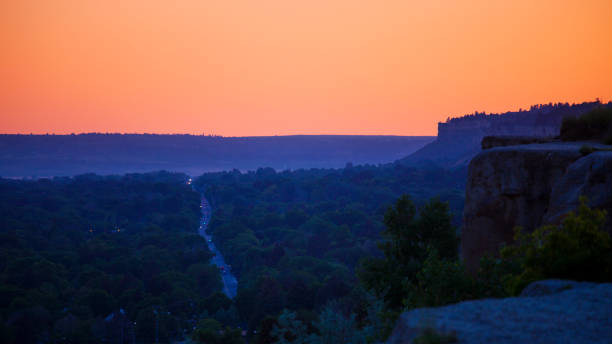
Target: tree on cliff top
[(594, 125)]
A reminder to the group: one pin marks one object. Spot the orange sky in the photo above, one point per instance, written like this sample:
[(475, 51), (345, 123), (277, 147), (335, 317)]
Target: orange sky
[(271, 67)]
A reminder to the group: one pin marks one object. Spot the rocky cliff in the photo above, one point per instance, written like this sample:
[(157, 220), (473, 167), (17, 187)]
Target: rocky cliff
[(459, 138), (551, 311), (528, 186)]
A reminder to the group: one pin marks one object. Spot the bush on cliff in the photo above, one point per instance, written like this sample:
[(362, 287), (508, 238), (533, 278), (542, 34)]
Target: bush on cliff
[(577, 249), (445, 281), (594, 125)]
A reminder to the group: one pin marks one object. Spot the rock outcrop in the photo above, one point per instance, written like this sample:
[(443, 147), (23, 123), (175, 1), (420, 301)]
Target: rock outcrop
[(459, 138), (590, 176), (547, 312), (527, 186)]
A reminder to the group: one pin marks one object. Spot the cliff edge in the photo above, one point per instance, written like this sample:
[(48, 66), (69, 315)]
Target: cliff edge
[(528, 186)]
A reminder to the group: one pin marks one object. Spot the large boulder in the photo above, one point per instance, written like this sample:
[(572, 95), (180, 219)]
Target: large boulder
[(556, 312)]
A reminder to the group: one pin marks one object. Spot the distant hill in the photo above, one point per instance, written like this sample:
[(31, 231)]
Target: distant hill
[(57, 155), (459, 138)]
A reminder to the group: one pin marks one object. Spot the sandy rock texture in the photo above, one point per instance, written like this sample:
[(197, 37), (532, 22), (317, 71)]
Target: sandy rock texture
[(551, 311)]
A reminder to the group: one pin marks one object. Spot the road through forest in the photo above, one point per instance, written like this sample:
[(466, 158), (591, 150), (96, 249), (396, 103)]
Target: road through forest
[(230, 284)]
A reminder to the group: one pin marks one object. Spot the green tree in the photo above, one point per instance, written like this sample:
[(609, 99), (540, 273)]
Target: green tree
[(100, 302), (441, 282), (578, 249), (289, 329), (407, 239), (334, 328), (210, 331), (207, 277)]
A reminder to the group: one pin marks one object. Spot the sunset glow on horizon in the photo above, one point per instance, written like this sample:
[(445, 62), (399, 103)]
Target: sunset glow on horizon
[(278, 67)]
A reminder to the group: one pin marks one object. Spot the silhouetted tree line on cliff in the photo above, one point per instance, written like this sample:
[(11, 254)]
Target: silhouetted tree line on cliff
[(551, 113), (596, 125)]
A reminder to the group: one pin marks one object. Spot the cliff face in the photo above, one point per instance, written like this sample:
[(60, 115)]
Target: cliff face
[(459, 138), (489, 127), (527, 186)]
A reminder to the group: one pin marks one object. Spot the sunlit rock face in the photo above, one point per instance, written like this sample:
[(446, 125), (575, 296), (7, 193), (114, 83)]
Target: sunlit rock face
[(527, 186)]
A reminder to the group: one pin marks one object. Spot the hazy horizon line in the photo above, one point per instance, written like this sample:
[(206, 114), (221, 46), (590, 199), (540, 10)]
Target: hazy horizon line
[(199, 135)]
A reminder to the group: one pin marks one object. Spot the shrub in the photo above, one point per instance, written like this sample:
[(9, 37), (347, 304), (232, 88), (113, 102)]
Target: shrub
[(444, 281), (290, 329), (578, 249), (432, 336), (594, 125), (586, 150), (210, 331), (440, 282)]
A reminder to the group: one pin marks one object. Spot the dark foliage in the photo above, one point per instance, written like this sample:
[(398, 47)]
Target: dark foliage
[(594, 125), (540, 114), (577, 249), (407, 238), (294, 239), (210, 331), (92, 259)]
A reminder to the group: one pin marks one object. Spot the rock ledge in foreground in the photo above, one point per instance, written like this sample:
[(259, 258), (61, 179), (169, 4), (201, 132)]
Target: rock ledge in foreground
[(554, 312)]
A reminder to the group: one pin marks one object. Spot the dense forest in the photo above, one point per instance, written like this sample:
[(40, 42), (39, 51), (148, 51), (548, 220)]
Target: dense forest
[(118, 258), (295, 239), (95, 259), (321, 255), (334, 256)]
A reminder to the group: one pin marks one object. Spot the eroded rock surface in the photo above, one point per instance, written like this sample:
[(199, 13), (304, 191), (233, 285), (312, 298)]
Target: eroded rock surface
[(590, 176), (562, 312), (527, 186)]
